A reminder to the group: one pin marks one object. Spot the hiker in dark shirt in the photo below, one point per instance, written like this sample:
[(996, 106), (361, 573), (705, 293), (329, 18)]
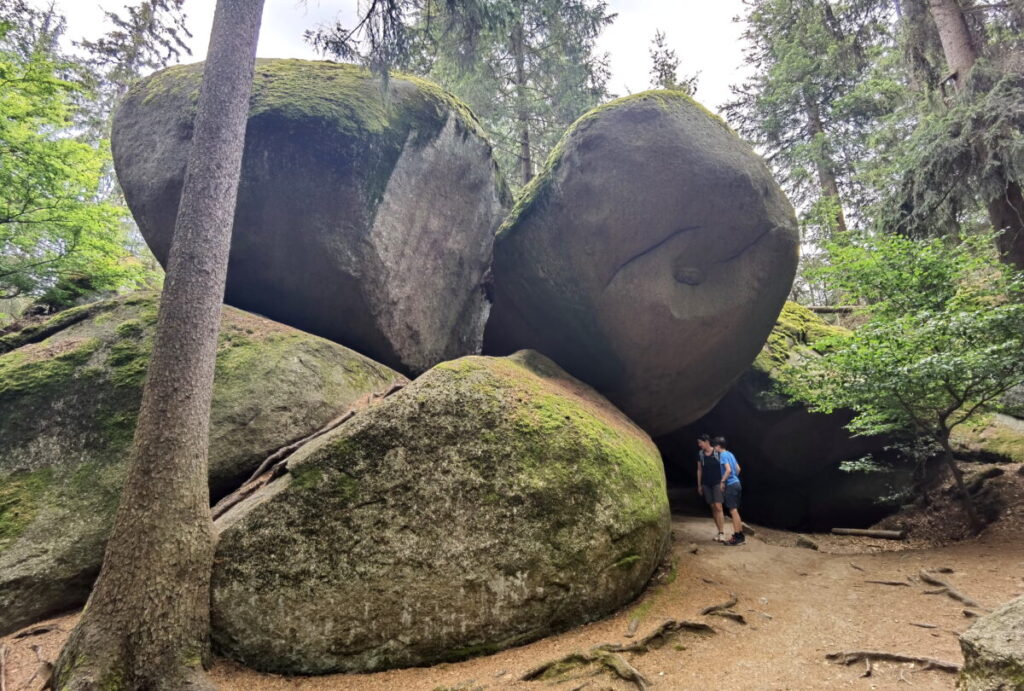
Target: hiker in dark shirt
[(709, 482)]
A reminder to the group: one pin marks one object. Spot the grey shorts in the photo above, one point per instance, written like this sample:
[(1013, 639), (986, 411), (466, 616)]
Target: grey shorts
[(733, 494), (713, 494)]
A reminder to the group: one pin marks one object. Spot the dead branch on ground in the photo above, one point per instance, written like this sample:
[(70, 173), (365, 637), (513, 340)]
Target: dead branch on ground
[(728, 604)]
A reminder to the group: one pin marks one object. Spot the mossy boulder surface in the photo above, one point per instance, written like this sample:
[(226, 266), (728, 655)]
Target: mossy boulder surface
[(997, 438), (491, 502), (993, 650), (800, 469), (650, 258), (70, 390), (364, 215)]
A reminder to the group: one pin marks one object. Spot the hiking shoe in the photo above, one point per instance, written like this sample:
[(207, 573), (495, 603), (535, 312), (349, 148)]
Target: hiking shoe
[(736, 539), (721, 538)]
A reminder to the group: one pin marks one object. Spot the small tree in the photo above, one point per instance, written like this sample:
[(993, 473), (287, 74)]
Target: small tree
[(665, 67), (943, 341)]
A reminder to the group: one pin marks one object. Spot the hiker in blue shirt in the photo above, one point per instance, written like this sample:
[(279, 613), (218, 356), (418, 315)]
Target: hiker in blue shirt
[(731, 489)]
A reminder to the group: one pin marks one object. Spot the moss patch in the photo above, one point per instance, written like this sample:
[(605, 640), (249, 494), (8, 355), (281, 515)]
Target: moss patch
[(21, 496), (797, 328)]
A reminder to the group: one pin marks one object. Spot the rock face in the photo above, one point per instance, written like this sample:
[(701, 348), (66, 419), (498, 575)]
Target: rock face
[(491, 502), (364, 217), (994, 651), (999, 439), (69, 396), (800, 469), (650, 258)]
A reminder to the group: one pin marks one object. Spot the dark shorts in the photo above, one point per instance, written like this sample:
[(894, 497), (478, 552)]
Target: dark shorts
[(733, 494), (713, 494)]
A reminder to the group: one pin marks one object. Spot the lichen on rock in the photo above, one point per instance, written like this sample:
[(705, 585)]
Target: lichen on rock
[(993, 649), (70, 390), (491, 502)]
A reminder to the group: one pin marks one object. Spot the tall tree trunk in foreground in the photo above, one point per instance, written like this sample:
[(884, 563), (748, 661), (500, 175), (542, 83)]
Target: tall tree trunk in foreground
[(1005, 211), (146, 625)]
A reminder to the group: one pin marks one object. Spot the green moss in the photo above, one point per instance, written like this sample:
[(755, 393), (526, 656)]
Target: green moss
[(27, 371), (62, 320), (130, 328), (128, 361), (21, 496), (627, 562), (796, 327), (534, 195)]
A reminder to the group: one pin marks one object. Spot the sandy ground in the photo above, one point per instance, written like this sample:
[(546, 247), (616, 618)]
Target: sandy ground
[(799, 605)]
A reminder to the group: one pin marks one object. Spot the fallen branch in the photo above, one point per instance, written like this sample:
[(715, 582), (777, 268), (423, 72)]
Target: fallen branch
[(729, 604), (922, 625), (868, 532), (35, 631), (889, 583), (859, 568), (867, 672), (932, 579), (831, 309), (848, 657)]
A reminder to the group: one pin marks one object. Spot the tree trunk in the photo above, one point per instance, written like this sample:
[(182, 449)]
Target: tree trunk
[(956, 39), (958, 477), (827, 180), (1007, 215), (146, 625), (522, 109)]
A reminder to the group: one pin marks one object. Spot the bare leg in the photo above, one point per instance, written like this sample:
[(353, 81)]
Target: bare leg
[(737, 524), (716, 511)]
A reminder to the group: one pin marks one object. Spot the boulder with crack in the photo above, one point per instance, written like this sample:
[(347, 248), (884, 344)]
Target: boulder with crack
[(364, 216)]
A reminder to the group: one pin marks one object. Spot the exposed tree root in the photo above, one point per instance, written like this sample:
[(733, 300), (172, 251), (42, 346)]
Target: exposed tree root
[(728, 604), (666, 631), (946, 588), (848, 657), (35, 631), (922, 625), (889, 583), (730, 614), (868, 532), (605, 658)]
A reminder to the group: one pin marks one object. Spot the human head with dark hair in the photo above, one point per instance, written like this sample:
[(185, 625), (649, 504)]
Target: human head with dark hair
[(719, 442), (704, 442)]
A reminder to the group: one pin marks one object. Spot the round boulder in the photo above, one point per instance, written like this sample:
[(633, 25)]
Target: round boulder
[(650, 258), (491, 502), (70, 390), (364, 215)]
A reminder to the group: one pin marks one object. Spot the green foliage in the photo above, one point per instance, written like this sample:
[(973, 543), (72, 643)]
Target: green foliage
[(665, 68), (942, 341), (56, 235)]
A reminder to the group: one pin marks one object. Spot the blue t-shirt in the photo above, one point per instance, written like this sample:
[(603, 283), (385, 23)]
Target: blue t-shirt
[(727, 459)]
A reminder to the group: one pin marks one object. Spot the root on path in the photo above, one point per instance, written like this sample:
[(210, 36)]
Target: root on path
[(848, 657)]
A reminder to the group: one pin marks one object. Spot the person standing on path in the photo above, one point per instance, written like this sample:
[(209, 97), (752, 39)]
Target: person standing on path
[(732, 491), (709, 482)]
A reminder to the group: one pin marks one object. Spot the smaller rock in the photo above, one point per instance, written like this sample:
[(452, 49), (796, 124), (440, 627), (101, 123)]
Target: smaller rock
[(993, 650), (804, 541)]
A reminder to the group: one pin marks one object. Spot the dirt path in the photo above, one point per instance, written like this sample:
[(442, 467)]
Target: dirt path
[(799, 604)]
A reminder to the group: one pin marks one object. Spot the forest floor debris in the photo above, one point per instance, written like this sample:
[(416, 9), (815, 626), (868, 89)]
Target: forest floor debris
[(793, 620)]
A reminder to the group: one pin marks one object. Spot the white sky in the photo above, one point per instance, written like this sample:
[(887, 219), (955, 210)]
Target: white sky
[(701, 31)]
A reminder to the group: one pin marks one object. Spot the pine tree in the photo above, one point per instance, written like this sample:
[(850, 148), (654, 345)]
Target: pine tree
[(665, 67), (146, 625)]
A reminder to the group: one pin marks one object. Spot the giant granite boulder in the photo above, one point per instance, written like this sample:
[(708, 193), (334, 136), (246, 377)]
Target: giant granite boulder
[(800, 469), (70, 390), (491, 502), (994, 651), (649, 258), (363, 216)]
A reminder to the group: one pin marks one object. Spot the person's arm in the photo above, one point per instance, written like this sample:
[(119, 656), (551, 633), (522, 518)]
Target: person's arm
[(727, 473), (700, 485)]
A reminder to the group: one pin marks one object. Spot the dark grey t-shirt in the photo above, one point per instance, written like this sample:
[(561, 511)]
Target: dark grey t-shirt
[(710, 468)]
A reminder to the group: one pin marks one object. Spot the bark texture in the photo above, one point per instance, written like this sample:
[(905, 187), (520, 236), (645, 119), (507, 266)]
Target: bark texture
[(147, 621), (956, 38)]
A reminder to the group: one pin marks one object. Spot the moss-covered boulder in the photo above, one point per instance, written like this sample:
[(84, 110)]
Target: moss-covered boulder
[(364, 216), (491, 502), (800, 469), (70, 390), (994, 651), (650, 258), (998, 438)]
